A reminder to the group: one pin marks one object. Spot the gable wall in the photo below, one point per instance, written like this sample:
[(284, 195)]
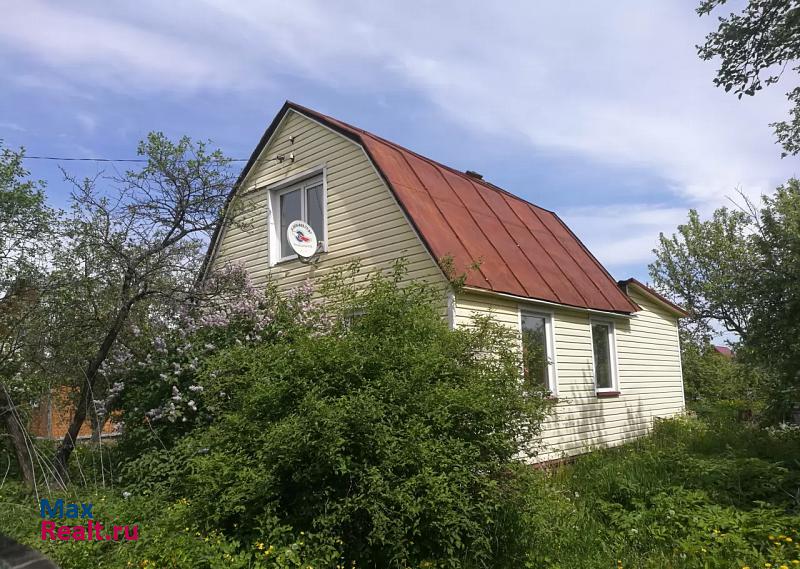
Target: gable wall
[(650, 381), (364, 220)]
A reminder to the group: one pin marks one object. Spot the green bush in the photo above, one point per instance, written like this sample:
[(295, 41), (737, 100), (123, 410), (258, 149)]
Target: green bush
[(387, 432)]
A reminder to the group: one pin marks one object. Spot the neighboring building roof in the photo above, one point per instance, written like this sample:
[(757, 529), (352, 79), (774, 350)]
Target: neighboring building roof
[(725, 351), (655, 295), (523, 250)]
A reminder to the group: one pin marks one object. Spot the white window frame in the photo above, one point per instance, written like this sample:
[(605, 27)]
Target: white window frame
[(300, 182), (550, 341), (612, 347)]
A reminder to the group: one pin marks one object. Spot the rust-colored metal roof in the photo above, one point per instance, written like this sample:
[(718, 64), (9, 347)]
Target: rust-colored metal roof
[(523, 250)]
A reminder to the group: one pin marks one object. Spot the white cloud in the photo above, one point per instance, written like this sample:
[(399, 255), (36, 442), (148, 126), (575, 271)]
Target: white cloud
[(110, 52), (87, 121), (619, 83), (621, 235), (11, 126)]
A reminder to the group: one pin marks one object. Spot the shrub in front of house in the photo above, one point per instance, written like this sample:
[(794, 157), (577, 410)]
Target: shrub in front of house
[(364, 419)]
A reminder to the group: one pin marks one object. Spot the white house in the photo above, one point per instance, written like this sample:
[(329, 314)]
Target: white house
[(613, 356)]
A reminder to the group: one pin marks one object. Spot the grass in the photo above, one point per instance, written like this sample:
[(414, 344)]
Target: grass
[(693, 494)]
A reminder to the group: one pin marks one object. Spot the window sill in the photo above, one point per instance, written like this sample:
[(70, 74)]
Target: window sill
[(287, 260), (602, 394)]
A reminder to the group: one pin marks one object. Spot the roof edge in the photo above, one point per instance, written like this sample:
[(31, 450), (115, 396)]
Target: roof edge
[(655, 295), (596, 261), (549, 303), (265, 138)]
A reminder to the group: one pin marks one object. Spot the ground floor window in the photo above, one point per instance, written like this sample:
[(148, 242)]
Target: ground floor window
[(604, 356), (538, 354)]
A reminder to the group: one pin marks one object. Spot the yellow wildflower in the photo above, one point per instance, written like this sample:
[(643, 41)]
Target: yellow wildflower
[(260, 546)]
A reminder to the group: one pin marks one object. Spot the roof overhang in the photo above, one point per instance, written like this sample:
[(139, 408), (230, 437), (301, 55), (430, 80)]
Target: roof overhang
[(652, 294), (547, 303)]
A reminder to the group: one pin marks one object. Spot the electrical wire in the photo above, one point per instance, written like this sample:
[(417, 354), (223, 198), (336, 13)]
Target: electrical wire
[(66, 159)]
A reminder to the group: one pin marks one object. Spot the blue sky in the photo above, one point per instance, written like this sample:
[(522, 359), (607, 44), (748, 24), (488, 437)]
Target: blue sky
[(599, 111)]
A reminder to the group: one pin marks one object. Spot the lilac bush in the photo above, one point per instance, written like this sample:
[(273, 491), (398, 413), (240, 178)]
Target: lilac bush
[(163, 397)]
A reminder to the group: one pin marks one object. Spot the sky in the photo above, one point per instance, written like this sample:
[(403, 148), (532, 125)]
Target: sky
[(600, 111)]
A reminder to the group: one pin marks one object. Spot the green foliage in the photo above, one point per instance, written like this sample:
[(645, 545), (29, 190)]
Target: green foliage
[(24, 219), (742, 269), (25, 224), (693, 494), (168, 537), (775, 323), (386, 430), (711, 267), (755, 48), (714, 383)]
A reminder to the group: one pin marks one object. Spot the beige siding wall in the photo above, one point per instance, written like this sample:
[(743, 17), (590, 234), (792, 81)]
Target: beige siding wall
[(648, 356), (364, 220)]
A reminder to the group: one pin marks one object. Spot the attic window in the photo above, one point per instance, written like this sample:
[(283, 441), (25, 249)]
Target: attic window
[(303, 200)]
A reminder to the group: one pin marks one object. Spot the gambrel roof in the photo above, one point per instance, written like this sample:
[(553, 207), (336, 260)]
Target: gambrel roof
[(523, 250)]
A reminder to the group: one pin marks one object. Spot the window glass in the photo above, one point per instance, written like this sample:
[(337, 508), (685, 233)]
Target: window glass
[(315, 210), (601, 345), (535, 359), (291, 210)]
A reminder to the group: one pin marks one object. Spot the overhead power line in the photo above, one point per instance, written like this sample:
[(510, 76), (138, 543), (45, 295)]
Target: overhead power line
[(71, 159)]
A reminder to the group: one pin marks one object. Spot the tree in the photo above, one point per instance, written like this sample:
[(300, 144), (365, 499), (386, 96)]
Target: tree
[(741, 268), (710, 267), (128, 252), (775, 322), (711, 378), (25, 224), (755, 48)]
